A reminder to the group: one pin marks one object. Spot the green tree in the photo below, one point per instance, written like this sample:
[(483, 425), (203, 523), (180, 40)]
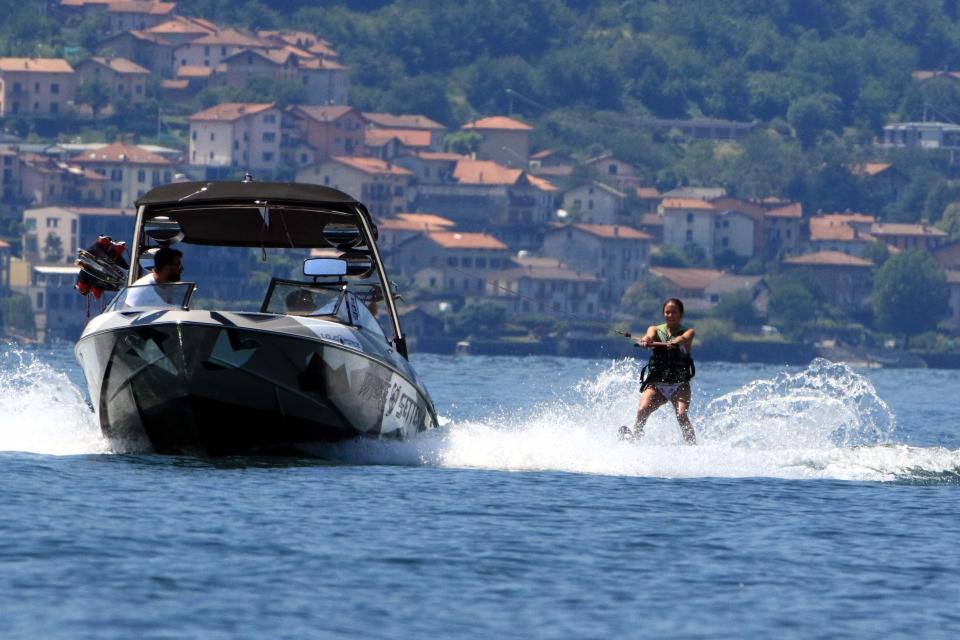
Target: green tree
[(737, 308), (465, 142), (950, 222), (791, 302), (810, 116), (480, 317), (910, 294), (96, 94), (53, 248)]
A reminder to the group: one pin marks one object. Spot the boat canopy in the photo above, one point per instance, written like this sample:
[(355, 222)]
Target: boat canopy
[(254, 214)]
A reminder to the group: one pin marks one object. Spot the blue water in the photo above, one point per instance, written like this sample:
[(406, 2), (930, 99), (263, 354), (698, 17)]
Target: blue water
[(821, 503)]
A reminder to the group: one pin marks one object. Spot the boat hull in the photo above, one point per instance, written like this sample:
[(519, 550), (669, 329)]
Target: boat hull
[(211, 389)]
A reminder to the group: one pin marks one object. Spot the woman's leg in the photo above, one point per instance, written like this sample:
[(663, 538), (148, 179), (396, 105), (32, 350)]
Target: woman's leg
[(681, 402), (650, 401)]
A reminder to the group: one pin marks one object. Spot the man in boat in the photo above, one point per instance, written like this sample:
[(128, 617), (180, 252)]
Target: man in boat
[(148, 290), (666, 378)]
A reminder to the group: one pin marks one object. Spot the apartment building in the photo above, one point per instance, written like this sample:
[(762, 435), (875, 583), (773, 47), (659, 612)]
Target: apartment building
[(244, 136), (504, 140), (126, 79), (36, 86), (131, 171), (383, 187)]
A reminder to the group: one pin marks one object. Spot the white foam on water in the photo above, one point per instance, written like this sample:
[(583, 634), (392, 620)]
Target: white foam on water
[(826, 422), (41, 411)]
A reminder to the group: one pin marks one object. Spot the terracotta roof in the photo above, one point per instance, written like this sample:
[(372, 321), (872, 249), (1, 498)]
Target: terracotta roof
[(372, 165), (230, 111), (118, 65), (823, 229), (120, 152), (828, 259), (869, 168), (175, 84), (323, 49), (536, 272), (498, 123), (456, 240), (409, 137), (687, 278), (612, 231), (182, 24), (543, 153), (650, 193), (322, 114), (687, 203), (541, 183), (142, 6), (194, 71), (897, 229), (229, 36), (794, 210), (485, 172), (4, 244), (36, 65), (428, 219), (847, 217), (392, 121)]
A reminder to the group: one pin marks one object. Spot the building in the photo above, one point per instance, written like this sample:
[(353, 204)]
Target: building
[(408, 122), (597, 203), (847, 233), (846, 281), (542, 287), (331, 130), (451, 262), (614, 254), (59, 311), (10, 185), (72, 227), (241, 136), (394, 231), (611, 170), (325, 81), (36, 86), (4, 268), (211, 49), (147, 49), (689, 221), (383, 187), (126, 80), (505, 141), (131, 170), (924, 135), (45, 180), (431, 167), (909, 236)]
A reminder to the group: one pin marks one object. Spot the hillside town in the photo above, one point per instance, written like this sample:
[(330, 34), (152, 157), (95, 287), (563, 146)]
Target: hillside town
[(469, 216)]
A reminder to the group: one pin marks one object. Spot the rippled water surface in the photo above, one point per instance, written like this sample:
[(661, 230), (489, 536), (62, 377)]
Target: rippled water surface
[(821, 502)]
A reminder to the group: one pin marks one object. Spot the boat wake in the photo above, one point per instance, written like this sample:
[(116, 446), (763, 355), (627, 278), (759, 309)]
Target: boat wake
[(825, 422), (42, 411)]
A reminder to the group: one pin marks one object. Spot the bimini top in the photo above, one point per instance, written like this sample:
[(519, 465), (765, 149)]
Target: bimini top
[(244, 192), (257, 214)]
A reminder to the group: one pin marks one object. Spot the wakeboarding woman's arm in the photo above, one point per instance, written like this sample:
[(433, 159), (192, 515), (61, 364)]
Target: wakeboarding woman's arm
[(685, 338), (649, 337)]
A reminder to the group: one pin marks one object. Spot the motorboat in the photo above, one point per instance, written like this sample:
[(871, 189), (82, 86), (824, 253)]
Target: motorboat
[(311, 366)]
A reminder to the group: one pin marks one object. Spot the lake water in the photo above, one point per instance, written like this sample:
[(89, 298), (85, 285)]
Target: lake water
[(821, 503)]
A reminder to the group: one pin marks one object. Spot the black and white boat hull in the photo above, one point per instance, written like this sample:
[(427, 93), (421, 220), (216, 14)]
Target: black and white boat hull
[(219, 383)]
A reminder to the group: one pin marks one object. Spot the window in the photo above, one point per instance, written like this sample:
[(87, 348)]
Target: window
[(40, 300), (481, 263), (689, 218), (36, 86), (268, 156), (55, 88), (269, 136), (141, 175), (193, 135), (139, 89), (689, 235), (115, 195), (213, 136), (725, 242), (53, 223), (451, 262), (116, 175), (466, 262), (612, 169), (236, 145), (269, 118)]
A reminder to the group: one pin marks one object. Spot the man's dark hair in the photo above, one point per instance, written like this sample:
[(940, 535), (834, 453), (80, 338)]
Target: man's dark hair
[(165, 256), (675, 301)]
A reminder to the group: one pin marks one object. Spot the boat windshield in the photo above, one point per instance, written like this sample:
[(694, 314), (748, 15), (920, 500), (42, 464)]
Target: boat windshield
[(173, 295), (331, 301)]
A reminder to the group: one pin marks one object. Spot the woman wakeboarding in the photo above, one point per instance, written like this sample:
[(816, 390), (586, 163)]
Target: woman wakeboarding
[(666, 378)]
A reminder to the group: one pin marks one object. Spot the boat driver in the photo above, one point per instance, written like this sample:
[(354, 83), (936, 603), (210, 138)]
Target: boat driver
[(167, 267)]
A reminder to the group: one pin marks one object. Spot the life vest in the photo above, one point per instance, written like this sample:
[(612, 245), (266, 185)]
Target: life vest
[(667, 366)]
